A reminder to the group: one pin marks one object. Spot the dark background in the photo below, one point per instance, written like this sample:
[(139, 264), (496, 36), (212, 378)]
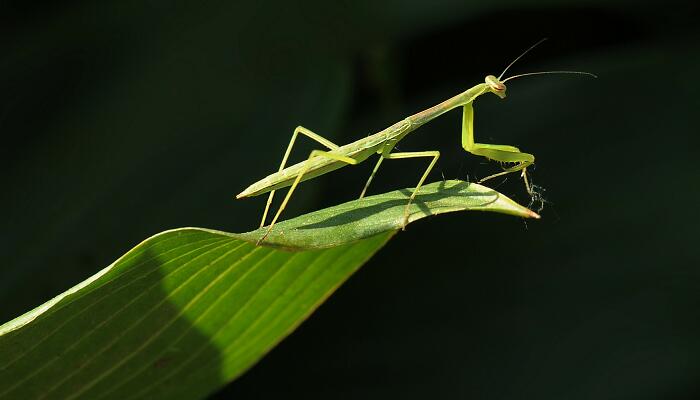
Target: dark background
[(121, 119)]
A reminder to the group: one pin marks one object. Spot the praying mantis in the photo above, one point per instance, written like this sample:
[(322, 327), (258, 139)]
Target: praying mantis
[(320, 162)]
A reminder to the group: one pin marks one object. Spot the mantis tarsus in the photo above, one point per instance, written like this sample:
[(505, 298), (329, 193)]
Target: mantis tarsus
[(320, 162)]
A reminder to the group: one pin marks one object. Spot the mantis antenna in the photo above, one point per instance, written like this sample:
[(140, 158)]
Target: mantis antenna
[(520, 56), (549, 72), (537, 73)]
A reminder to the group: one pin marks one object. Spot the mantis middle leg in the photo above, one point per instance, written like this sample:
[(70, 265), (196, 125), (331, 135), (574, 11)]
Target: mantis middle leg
[(386, 149), (412, 154), (297, 131), (371, 176), (497, 152)]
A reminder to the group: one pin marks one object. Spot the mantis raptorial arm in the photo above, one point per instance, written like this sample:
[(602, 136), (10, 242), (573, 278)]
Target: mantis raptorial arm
[(299, 129), (497, 152)]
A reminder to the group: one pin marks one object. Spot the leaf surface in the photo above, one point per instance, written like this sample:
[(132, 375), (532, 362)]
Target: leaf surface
[(190, 309)]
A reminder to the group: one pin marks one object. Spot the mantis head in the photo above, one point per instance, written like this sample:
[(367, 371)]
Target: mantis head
[(496, 86)]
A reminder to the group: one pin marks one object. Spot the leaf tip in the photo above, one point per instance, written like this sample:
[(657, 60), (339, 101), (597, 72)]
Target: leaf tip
[(532, 214)]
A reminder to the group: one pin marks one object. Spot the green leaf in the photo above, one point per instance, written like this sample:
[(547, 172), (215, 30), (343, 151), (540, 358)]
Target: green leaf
[(190, 309), (356, 220)]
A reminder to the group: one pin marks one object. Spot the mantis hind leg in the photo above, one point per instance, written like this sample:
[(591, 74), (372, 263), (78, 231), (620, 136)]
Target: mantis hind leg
[(297, 131), (497, 152), (315, 153), (413, 154)]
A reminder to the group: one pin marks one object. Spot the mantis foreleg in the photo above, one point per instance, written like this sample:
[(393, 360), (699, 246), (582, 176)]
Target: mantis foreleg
[(297, 131), (497, 152), (314, 153)]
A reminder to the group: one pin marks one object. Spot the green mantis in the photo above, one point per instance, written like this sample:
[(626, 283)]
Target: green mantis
[(383, 142)]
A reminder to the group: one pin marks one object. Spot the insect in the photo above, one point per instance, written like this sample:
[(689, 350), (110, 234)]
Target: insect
[(383, 142)]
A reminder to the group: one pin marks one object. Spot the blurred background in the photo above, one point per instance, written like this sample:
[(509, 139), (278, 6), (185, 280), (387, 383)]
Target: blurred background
[(121, 119)]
